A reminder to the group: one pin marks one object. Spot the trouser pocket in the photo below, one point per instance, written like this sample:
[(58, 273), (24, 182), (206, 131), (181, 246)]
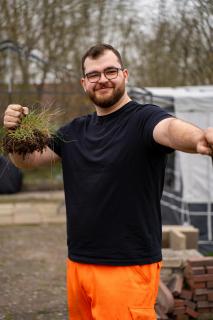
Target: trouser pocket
[(142, 314)]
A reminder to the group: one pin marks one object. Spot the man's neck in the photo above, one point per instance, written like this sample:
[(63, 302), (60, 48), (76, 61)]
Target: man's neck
[(104, 111)]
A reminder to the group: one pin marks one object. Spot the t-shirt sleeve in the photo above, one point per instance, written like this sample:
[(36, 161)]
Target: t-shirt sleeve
[(151, 116)]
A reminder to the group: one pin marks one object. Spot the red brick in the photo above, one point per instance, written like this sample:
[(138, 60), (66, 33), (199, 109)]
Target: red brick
[(179, 303), (209, 284), (194, 270), (209, 269), (196, 285), (179, 310), (190, 304), (210, 296), (204, 310), (202, 297), (202, 277), (203, 291), (200, 285), (204, 304), (192, 313), (200, 261), (186, 294), (198, 270)]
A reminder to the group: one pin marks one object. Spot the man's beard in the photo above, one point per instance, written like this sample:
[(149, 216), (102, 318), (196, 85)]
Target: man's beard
[(109, 101)]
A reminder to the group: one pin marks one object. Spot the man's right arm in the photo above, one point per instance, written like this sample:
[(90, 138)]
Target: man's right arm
[(35, 159), (12, 118)]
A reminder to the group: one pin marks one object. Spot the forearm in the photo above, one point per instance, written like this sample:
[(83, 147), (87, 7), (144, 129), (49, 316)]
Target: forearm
[(24, 162), (184, 136), (35, 159)]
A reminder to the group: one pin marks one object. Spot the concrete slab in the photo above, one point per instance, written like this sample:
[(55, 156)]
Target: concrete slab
[(32, 208), (178, 258), (190, 232), (6, 219), (33, 196), (26, 218), (6, 208), (177, 240), (53, 219)]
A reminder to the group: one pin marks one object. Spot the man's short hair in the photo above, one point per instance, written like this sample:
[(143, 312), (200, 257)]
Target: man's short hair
[(96, 51)]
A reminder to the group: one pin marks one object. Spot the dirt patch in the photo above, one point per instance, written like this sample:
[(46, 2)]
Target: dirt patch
[(33, 272)]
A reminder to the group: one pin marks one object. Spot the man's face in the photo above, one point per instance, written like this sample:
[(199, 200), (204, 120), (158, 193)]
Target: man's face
[(104, 93)]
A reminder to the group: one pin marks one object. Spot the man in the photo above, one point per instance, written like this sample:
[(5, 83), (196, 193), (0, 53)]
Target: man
[(113, 164)]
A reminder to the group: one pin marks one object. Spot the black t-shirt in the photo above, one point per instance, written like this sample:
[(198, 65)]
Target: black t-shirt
[(113, 179)]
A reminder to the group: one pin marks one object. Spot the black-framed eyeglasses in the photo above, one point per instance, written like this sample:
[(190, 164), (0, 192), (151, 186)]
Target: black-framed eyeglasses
[(109, 73)]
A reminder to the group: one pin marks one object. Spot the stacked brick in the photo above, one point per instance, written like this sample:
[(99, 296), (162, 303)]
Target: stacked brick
[(192, 292), (199, 276)]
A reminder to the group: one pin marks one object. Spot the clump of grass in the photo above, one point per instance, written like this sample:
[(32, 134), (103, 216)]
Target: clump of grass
[(33, 133)]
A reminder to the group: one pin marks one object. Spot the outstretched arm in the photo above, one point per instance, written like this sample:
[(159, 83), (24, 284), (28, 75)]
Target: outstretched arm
[(184, 136)]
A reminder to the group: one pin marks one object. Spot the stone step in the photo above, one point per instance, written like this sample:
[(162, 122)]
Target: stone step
[(32, 208)]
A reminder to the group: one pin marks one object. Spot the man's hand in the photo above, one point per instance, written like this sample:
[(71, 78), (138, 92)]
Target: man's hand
[(208, 145), (12, 118), (13, 115)]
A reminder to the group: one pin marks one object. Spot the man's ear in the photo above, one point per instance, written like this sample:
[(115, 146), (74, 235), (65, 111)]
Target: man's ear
[(83, 84), (126, 75)]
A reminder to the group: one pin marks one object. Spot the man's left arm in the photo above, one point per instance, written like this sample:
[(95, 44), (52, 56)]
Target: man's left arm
[(184, 136)]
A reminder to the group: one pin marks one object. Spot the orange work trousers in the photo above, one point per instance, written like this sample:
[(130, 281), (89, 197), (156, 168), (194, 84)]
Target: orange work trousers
[(97, 292)]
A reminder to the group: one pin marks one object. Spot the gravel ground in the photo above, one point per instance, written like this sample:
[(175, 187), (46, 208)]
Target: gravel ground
[(33, 272)]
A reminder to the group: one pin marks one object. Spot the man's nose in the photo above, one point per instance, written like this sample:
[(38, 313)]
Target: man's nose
[(102, 78)]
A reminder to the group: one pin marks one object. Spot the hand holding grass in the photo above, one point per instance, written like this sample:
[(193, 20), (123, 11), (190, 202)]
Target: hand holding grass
[(13, 115), (24, 131)]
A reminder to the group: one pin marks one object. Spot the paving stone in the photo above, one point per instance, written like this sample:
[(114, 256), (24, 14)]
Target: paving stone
[(165, 298), (176, 284), (177, 240)]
